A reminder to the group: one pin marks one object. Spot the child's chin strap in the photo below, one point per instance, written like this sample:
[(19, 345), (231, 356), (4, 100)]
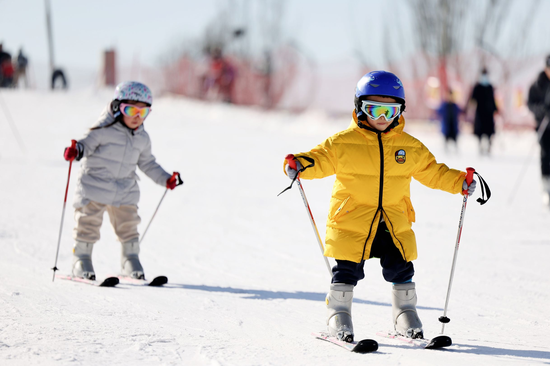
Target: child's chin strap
[(311, 163)]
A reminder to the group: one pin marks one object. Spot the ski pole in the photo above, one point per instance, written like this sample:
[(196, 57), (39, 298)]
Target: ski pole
[(12, 125), (175, 175), (469, 178), (540, 132), (73, 145), (292, 163)]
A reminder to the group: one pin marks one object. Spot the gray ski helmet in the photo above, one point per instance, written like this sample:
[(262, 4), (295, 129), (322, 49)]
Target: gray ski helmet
[(133, 90)]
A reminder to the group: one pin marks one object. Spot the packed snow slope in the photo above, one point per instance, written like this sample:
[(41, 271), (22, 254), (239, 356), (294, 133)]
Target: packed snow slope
[(247, 280)]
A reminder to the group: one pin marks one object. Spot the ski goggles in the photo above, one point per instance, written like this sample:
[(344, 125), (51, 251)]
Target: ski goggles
[(376, 110), (131, 110)]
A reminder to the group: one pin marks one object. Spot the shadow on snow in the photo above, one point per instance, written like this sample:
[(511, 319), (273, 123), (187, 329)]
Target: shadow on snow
[(272, 295), (496, 351), (474, 349)]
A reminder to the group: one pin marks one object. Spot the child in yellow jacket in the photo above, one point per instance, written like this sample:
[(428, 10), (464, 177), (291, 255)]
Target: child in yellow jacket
[(370, 213)]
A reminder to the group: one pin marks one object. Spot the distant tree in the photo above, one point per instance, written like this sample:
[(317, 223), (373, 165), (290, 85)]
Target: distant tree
[(248, 38), (456, 39)]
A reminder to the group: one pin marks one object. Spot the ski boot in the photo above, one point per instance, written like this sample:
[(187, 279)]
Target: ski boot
[(82, 260), (130, 263), (339, 301), (405, 318)]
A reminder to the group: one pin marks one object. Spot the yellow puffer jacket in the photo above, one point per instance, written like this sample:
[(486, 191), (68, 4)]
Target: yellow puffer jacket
[(373, 175)]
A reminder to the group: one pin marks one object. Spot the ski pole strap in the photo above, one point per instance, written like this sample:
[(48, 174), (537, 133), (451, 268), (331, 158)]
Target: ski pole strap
[(485, 190), (177, 176), (311, 163)]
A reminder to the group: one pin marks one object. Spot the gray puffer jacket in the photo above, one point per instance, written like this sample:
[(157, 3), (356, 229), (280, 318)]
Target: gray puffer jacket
[(109, 157)]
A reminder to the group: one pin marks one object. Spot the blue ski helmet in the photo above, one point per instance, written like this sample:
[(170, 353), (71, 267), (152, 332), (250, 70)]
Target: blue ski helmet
[(381, 83)]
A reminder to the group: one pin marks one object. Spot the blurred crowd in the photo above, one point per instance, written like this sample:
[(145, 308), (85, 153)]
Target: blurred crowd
[(13, 70), (482, 101)]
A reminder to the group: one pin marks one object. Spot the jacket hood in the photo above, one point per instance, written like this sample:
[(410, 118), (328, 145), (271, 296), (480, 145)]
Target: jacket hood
[(397, 129), (105, 118)]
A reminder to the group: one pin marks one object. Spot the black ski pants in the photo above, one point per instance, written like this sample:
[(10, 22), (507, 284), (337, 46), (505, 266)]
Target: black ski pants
[(394, 268), (545, 154)]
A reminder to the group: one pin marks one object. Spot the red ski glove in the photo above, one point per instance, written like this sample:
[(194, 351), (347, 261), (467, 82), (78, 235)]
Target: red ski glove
[(71, 152), (174, 181)]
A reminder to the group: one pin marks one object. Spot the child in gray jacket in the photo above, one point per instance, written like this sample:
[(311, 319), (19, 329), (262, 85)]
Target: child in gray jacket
[(109, 154)]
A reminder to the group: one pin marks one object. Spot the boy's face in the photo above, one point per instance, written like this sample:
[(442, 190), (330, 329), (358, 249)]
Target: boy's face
[(135, 121), (380, 124)]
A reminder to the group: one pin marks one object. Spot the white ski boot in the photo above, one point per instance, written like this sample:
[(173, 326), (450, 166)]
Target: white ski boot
[(405, 318), (82, 260), (130, 263), (339, 301)]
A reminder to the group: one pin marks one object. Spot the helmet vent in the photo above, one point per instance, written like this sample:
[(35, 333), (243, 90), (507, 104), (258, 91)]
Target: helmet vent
[(374, 85)]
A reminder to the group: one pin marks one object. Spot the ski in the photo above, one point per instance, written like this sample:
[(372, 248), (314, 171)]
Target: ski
[(155, 282), (437, 342), (107, 282), (362, 346)]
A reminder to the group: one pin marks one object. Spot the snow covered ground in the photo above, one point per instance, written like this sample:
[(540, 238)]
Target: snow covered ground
[(247, 281)]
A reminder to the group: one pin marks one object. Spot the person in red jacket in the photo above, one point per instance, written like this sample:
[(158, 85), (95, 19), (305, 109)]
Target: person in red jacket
[(6, 69)]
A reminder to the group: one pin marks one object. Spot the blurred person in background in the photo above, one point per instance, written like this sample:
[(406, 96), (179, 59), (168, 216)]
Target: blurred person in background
[(483, 96), (448, 113), (538, 102), (21, 70), (6, 68), (59, 80), (220, 77)]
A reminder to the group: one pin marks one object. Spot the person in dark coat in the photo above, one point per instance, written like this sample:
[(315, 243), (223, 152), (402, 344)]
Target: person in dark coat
[(484, 123), (448, 113), (538, 102)]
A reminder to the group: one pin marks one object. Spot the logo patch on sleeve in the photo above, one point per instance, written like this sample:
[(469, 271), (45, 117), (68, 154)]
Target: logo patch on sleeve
[(400, 156)]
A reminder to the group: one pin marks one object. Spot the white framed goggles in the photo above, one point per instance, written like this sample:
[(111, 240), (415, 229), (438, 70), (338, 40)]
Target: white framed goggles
[(376, 110)]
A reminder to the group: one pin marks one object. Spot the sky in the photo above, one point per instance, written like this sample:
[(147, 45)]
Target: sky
[(340, 34), (147, 30)]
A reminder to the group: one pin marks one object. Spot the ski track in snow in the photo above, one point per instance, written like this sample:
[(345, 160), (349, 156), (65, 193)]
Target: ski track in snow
[(246, 278)]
